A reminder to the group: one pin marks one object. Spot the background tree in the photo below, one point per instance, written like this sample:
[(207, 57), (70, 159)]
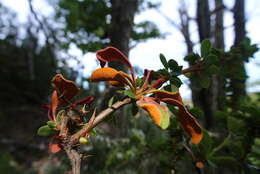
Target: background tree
[(238, 85)]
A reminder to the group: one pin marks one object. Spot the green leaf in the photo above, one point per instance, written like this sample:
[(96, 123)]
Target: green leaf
[(165, 119), (228, 161), (60, 115), (139, 81), (129, 93), (111, 101), (205, 47), (93, 132), (236, 126), (176, 81), (257, 141), (211, 59), (212, 164), (51, 124), (192, 58), (45, 131), (173, 65), (164, 61), (171, 88), (206, 143), (255, 149)]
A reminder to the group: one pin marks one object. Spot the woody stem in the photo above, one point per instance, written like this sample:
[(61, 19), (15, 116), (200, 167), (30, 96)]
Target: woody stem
[(100, 117)]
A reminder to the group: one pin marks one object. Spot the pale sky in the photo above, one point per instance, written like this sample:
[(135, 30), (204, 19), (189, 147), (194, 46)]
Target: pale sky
[(146, 55)]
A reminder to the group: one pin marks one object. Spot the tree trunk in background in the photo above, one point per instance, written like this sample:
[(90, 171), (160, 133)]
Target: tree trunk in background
[(219, 43), (238, 86), (185, 26), (122, 15), (204, 98), (122, 19)]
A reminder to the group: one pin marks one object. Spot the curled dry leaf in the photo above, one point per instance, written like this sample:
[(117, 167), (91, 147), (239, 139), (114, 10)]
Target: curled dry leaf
[(54, 103), (188, 122), (166, 94), (111, 54), (66, 88)]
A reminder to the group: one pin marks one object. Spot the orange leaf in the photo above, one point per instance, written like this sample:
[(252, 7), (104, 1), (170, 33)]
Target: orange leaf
[(110, 74), (55, 144), (66, 89), (188, 122), (158, 112), (54, 148), (103, 74), (116, 83), (200, 164), (111, 54)]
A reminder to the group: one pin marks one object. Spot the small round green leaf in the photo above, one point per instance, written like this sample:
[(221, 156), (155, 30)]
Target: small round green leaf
[(129, 93), (45, 131), (51, 124), (164, 61), (205, 47)]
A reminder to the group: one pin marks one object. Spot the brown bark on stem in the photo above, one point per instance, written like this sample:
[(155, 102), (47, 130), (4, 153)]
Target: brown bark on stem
[(69, 141), (75, 159)]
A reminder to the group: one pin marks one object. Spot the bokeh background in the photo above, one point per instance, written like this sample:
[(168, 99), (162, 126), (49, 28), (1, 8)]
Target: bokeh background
[(39, 38)]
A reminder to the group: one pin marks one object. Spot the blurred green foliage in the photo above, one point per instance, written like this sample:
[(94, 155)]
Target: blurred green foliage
[(231, 147)]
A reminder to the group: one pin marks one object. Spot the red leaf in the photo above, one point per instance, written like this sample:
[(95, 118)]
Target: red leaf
[(54, 148), (87, 100), (188, 122), (111, 54), (66, 89), (54, 104), (54, 145), (166, 94)]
